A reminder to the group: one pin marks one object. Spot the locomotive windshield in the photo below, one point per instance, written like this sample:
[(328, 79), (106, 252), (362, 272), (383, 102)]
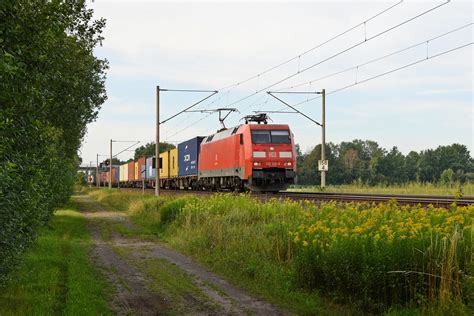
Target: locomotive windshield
[(270, 137)]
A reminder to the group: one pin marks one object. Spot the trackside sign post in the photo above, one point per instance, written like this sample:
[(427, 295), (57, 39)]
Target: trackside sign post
[(323, 165)]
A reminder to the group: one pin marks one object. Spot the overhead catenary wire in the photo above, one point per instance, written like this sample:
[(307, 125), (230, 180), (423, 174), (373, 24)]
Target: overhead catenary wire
[(135, 142), (370, 78), (205, 117), (298, 57), (386, 73), (311, 49), (213, 92), (181, 122), (284, 63), (320, 62), (356, 67), (186, 110), (340, 52)]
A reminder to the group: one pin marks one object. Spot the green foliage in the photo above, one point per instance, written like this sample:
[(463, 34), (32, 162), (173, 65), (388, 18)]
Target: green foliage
[(386, 255), (171, 210), (80, 179), (447, 177), (57, 275), (365, 162), (51, 86), (374, 258), (149, 149)]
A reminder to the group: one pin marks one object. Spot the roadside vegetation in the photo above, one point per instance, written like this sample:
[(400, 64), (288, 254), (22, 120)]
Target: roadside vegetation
[(56, 275), (320, 259), (51, 87)]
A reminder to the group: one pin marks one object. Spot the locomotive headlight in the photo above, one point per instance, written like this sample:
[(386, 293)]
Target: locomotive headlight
[(285, 154), (257, 164), (288, 164), (259, 154)]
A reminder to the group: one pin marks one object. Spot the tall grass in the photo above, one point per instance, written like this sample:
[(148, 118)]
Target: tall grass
[(116, 199), (373, 257), (466, 189)]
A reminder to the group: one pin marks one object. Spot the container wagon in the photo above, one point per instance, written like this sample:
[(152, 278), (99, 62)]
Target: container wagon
[(123, 174), (131, 174), (150, 172), (188, 158), (140, 166)]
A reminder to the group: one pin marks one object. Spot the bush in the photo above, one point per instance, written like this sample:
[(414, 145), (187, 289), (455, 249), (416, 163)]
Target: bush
[(50, 88)]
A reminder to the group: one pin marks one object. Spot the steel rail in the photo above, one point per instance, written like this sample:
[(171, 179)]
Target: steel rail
[(318, 197)]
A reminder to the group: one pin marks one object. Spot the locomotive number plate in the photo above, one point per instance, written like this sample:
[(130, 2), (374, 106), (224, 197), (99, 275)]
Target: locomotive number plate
[(272, 154)]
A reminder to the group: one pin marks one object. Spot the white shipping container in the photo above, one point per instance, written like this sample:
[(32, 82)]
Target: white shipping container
[(124, 173)]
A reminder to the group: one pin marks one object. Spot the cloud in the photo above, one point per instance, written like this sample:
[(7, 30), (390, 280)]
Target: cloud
[(211, 45)]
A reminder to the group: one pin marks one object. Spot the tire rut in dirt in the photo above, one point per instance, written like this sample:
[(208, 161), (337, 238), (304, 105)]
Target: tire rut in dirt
[(132, 295)]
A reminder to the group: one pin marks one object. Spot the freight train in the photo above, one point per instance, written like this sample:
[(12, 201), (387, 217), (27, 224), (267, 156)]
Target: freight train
[(255, 157)]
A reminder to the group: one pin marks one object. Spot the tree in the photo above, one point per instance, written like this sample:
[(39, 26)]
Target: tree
[(433, 162), (411, 166), (51, 87), (392, 167), (308, 169), (149, 149)]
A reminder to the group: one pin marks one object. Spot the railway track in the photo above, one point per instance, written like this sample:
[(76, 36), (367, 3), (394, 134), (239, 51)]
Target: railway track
[(425, 200)]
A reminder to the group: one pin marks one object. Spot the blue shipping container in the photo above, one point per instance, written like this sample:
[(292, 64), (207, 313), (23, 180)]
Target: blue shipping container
[(150, 169), (188, 155)]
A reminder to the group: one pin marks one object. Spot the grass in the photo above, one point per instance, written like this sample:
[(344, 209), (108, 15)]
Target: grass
[(409, 188), (291, 252), (57, 276)]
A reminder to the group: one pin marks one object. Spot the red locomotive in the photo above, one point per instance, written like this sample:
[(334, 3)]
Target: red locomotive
[(250, 156)]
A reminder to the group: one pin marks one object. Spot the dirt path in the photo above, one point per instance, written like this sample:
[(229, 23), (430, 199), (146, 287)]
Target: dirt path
[(152, 279)]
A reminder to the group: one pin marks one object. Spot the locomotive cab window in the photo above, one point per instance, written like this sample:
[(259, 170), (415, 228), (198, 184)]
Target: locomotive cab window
[(260, 136), (270, 137), (280, 137)]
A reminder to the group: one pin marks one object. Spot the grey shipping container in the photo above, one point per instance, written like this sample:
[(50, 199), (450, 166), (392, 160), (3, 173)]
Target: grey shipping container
[(188, 155)]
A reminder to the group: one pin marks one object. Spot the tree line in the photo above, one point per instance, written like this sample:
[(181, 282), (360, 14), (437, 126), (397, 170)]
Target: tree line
[(51, 87), (368, 163)]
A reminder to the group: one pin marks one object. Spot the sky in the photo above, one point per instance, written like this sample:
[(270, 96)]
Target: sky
[(213, 45)]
